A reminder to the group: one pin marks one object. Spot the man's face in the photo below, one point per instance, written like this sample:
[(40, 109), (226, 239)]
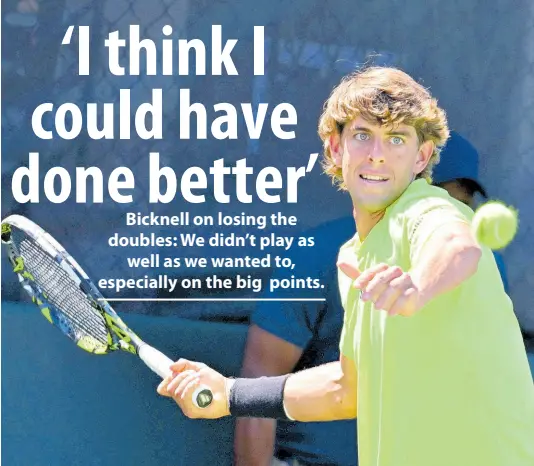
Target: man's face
[(378, 162), (459, 191)]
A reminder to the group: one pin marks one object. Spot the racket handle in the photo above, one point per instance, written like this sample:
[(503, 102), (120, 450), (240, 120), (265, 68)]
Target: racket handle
[(156, 360), (160, 364)]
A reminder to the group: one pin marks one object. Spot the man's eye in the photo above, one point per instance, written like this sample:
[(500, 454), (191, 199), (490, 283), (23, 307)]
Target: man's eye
[(361, 136), (397, 141)]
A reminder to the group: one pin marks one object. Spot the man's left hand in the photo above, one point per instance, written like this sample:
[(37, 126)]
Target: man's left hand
[(388, 287)]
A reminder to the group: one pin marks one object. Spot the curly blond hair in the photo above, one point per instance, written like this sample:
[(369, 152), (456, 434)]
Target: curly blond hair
[(389, 97)]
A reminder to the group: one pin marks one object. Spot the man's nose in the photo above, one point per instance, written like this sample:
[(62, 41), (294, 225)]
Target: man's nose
[(377, 151)]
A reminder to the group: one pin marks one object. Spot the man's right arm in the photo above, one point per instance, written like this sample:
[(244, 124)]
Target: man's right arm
[(323, 393)]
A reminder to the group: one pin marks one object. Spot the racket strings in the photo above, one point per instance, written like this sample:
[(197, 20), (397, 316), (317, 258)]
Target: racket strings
[(60, 288)]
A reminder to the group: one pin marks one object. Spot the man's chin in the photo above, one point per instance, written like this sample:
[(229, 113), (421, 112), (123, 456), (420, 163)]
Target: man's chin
[(373, 205)]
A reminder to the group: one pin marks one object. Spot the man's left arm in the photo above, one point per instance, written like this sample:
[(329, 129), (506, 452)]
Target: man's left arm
[(443, 254), (448, 257)]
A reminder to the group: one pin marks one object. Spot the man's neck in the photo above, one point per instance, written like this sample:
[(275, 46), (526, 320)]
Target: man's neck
[(365, 221)]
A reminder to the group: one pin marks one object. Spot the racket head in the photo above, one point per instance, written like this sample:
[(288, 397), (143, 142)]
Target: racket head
[(61, 289)]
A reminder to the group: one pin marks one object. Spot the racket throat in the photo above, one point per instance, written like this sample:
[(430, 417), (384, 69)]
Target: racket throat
[(121, 336)]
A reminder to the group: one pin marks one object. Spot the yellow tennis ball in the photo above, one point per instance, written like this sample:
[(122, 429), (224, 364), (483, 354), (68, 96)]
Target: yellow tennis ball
[(495, 224)]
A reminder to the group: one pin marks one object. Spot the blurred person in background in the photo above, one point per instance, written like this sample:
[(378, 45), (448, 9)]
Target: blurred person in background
[(457, 173), (291, 336)]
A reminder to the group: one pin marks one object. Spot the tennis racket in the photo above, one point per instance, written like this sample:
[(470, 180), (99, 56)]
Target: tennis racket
[(70, 301)]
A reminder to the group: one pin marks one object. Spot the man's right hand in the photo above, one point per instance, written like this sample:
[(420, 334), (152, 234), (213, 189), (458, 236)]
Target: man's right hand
[(185, 378)]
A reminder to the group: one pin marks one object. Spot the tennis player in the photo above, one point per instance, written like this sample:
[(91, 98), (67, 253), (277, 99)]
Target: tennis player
[(432, 360)]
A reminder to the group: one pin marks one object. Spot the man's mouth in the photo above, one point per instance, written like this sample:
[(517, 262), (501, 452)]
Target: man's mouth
[(373, 178)]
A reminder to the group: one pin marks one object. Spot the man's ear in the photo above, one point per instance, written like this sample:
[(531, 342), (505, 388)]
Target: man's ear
[(335, 149), (423, 157)]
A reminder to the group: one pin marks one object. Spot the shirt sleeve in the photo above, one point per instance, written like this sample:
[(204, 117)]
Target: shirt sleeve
[(428, 216), (346, 342)]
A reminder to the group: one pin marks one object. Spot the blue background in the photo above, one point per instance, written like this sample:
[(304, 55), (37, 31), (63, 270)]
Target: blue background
[(478, 59)]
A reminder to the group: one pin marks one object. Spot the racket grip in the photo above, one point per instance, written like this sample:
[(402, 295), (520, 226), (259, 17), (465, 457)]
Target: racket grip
[(160, 364), (156, 360)]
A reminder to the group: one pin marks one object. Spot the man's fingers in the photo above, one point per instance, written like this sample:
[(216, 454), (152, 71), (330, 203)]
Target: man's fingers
[(404, 305), (162, 387), (379, 283), (349, 270), (388, 298), (180, 365), (185, 382), (178, 379), (188, 387), (184, 365), (367, 275)]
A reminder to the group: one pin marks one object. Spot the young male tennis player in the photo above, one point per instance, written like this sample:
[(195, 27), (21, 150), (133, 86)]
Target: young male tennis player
[(433, 364)]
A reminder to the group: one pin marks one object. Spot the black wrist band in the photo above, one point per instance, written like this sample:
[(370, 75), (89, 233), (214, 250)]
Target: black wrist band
[(261, 397)]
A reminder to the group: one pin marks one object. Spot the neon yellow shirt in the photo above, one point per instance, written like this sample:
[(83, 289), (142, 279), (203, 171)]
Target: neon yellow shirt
[(451, 385)]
